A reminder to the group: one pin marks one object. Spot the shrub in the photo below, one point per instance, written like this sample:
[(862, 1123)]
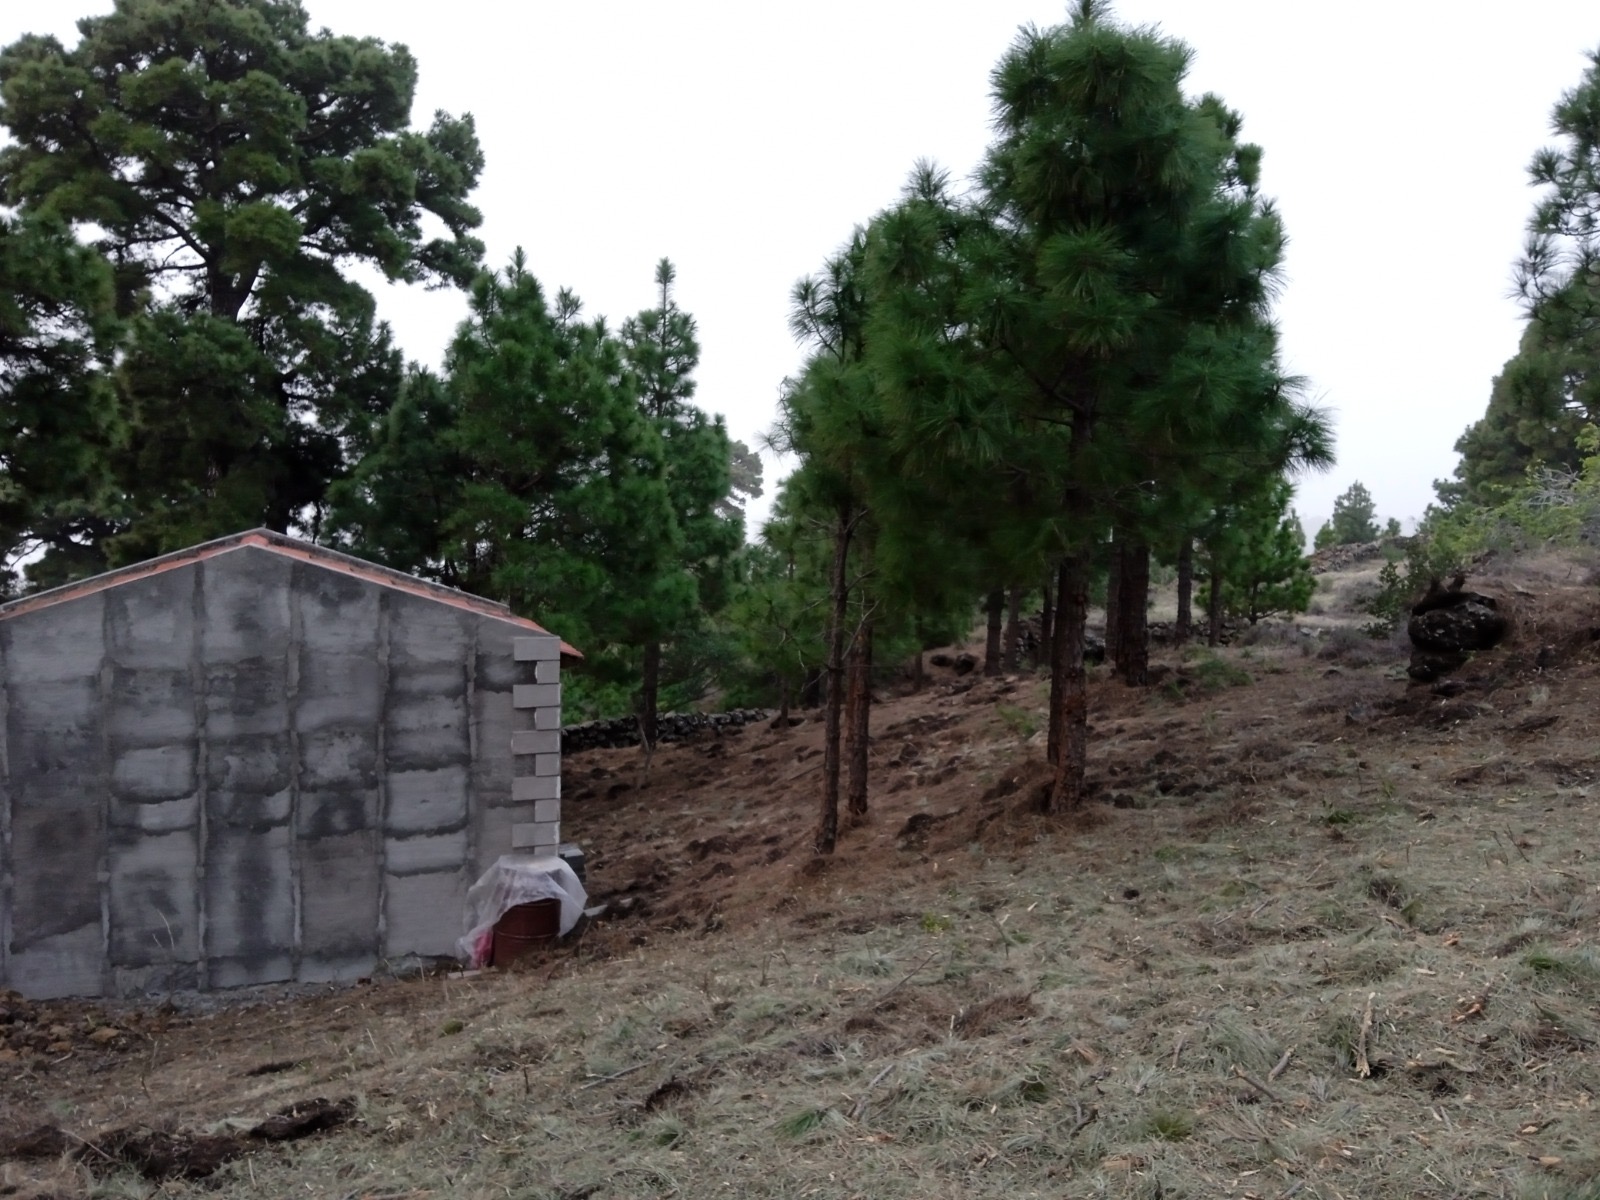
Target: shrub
[(1552, 506), (1348, 645), (1214, 674)]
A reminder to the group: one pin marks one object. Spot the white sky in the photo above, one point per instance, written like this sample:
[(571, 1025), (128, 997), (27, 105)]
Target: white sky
[(744, 142)]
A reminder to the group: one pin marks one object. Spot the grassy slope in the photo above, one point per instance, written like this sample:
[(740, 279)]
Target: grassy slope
[(972, 1001)]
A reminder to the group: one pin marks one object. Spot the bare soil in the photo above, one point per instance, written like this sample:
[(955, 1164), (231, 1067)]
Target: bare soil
[(1321, 932)]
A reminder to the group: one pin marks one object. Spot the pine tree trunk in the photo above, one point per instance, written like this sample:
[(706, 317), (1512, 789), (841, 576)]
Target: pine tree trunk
[(828, 825), (1214, 608), (858, 716), (649, 691), (1069, 690), (1114, 604), (1047, 623), (783, 704), (1013, 634), (1052, 745), (1133, 624), (995, 608), (811, 688), (1184, 626)]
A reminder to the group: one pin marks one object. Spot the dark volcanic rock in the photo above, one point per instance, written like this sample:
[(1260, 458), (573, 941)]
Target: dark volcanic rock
[(1472, 622), (1428, 665), (1447, 627), (670, 727), (1165, 633)]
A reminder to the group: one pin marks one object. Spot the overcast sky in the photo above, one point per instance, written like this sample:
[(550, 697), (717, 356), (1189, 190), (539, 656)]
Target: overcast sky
[(744, 142)]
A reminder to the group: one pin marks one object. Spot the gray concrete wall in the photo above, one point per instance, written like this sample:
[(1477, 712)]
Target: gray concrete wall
[(55, 796), (252, 768)]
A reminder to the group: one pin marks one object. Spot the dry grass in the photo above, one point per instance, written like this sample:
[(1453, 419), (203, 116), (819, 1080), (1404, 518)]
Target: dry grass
[(1339, 596), (1164, 1001)]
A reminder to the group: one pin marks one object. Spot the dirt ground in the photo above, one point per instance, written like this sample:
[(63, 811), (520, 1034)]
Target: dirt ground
[(1322, 932)]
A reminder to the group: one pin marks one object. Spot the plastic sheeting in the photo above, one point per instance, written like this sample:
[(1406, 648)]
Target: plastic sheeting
[(514, 880)]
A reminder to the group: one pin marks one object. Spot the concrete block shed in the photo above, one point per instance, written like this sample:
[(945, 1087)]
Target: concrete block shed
[(258, 760)]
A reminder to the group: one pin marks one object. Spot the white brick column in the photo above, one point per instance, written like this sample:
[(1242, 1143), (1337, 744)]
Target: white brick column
[(536, 744)]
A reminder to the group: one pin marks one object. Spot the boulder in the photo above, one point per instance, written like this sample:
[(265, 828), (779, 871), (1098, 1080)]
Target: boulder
[(1429, 665), (1448, 627), (1472, 621)]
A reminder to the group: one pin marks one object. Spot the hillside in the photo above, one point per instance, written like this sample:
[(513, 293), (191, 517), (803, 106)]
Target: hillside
[(1322, 933)]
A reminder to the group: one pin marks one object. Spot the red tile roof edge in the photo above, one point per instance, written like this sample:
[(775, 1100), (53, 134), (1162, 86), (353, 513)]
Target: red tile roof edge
[(288, 547)]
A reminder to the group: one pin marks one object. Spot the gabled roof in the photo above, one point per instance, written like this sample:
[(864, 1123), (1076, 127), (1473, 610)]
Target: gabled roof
[(287, 547)]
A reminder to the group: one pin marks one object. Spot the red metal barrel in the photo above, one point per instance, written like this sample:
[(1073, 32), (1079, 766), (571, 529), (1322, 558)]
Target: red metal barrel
[(525, 927)]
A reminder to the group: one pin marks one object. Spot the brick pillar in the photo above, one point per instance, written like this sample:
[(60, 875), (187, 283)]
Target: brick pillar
[(536, 744)]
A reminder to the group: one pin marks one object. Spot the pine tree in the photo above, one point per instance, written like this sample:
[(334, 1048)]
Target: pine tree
[(58, 418), (1550, 389), (892, 534), (1540, 401), (568, 512), (231, 166), (827, 416), (559, 503), (1261, 429), (661, 348), (1111, 282), (964, 494), (1278, 440), (778, 612), (744, 481), (1559, 274), (396, 507), (1353, 519), (1260, 557)]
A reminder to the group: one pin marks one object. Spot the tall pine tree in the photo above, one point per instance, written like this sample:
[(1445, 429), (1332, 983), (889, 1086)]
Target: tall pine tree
[(231, 166), (827, 415), (1550, 390), (559, 505), (660, 346), (1114, 273)]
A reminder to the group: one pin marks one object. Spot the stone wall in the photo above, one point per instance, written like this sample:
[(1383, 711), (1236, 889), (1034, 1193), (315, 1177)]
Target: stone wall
[(670, 727), (251, 769)]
